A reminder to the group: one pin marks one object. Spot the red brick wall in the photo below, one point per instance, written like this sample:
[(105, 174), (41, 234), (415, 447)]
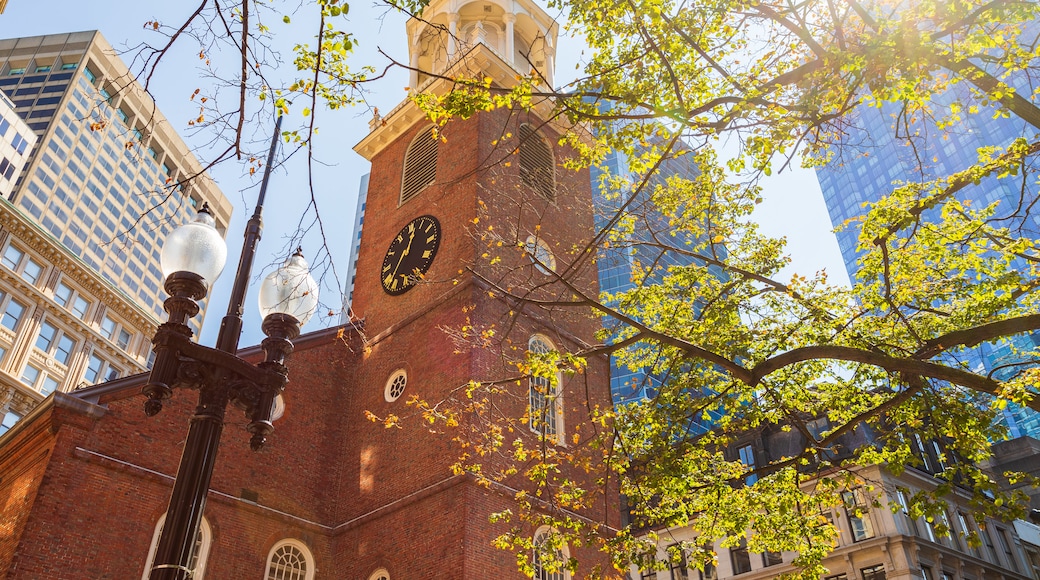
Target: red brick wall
[(450, 199), (358, 494), (23, 462)]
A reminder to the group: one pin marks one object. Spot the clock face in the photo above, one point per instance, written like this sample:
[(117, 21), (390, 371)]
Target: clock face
[(410, 255)]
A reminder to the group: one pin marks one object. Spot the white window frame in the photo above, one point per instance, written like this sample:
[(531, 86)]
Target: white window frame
[(538, 401), (5, 302), (541, 254), (74, 295), (117, 330), (4, 427), (103, 371), (41, 378), (564, 555), (279, 408), (308, 557), (380, 574), (856, 499), (203, 552), (52, 350), (22, 263)]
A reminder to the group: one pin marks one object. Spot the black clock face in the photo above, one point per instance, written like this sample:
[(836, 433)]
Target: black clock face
[(410, 255)]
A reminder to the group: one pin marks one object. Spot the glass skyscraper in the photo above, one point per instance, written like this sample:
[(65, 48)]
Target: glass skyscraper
[(617, 263), (871, 161)]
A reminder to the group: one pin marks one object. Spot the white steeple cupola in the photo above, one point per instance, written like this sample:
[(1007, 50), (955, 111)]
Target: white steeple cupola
[(518, 31)]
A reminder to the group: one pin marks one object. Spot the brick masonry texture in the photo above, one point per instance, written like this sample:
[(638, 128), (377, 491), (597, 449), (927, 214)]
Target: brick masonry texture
[(80, 492)]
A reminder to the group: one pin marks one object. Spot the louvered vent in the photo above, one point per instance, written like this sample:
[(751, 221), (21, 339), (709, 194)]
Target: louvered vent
[(536, 162), (420, 164)]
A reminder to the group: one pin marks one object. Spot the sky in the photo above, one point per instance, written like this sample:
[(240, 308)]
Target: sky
[(793, 205)]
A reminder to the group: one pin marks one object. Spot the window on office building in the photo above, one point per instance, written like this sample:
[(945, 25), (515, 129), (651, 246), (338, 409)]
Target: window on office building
[(1033, 559), (1006, 547), (12, 314), (987, 540), (99, 370), (108, 328), (19, 262), (678, 566), (55, 342), (747, 457), (873, 572), (857, 508), (966, 531), (12, 257), (903, 499), (740, 558), (66, 296), (10, 418), (30, 375)]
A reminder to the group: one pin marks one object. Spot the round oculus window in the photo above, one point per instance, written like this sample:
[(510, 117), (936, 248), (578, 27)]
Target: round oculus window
[(395, 385)]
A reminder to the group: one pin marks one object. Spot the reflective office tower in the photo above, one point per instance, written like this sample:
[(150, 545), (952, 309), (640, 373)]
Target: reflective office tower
[(616, 263), (355, 247), (871, 159), (16, 143), (82, 226)]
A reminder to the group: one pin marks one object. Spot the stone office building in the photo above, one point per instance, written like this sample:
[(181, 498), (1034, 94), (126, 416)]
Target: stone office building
[(105, 179)]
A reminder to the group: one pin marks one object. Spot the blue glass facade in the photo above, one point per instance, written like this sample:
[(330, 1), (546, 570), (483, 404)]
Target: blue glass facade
[(617, 263), (873, 159)]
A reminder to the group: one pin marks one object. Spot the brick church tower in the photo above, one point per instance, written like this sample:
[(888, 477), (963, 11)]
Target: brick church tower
[(474, 234)]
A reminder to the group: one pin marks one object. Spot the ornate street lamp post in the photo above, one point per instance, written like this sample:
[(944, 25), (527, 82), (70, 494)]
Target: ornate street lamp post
[(192, 258)]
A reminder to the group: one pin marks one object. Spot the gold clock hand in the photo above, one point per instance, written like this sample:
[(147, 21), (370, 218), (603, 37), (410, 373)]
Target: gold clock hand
[(404, 253)]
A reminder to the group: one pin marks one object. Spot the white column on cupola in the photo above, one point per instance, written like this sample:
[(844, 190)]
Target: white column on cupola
[(550, 60), (510, 19), (453, 31), (413, 75)]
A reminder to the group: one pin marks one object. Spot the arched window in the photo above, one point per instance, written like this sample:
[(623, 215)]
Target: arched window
[(545, 416), (546, 557), (544, 261), (203, 541), (420, 164), (536, 162), (290, 560), (380, 574)]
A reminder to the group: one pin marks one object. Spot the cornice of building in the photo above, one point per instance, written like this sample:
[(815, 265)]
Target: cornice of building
[(35, 420)]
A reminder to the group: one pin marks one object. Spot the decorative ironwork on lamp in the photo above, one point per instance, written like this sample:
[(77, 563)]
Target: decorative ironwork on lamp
[(191, 260)]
